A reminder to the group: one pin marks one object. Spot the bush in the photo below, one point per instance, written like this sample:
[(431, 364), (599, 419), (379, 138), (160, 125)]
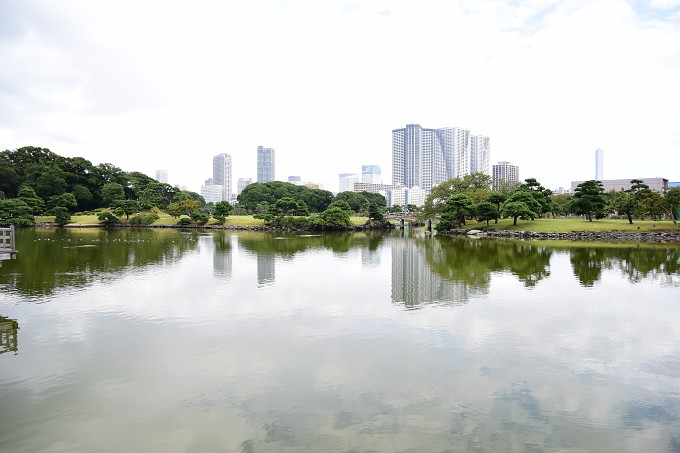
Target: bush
[(108, 217), (144, 219), (61, 215), (200, 218), (184, 221)]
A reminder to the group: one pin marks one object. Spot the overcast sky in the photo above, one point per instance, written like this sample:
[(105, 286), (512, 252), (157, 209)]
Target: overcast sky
[(149, 85)]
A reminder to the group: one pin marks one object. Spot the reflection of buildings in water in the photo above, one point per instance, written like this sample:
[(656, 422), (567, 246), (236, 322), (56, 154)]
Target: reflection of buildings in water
[(266, 268), (370, 258), (9, 338), (222, 263), (414, 283)]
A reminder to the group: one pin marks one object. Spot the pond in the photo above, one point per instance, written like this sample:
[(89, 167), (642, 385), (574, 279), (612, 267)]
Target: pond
[(195, 341)]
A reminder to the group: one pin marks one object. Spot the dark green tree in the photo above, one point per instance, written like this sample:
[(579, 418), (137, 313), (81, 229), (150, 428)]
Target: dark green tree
[(62, 216), (486, 211), (457, 208), (588, 199), (15, 211), (126, 208), (112, 192)]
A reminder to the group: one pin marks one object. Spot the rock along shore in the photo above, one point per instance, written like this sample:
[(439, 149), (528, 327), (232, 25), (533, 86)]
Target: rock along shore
[(646, 236), (365, 227)]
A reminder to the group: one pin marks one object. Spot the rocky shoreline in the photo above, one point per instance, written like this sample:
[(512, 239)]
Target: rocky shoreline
[(646, 236), (364, 227)]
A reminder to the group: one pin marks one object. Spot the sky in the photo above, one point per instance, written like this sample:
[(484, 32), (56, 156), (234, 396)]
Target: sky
[(148, 85)]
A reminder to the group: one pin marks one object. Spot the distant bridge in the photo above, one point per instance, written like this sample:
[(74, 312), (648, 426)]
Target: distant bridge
[(8, 249)]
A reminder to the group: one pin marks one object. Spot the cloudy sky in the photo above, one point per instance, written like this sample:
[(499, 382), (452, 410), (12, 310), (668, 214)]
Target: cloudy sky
[(149, 85)]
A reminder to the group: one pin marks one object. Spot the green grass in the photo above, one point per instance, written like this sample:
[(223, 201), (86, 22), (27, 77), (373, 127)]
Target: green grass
[(358, 220), (569, 225)]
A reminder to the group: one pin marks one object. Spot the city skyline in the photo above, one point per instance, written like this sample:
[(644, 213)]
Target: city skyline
[(156, 96)]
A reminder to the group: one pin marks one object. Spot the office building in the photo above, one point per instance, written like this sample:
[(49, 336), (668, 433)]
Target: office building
[(297, 180), (402, 196), (222, 174), (599, 157), (162, 176), (212, 193), (655, 184), (346, 182), (241, 184), (503, 172), (427, 157), (265, 164), (371, 174)]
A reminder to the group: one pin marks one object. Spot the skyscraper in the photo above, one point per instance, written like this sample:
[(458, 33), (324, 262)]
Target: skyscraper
[(371, 174), (242, 183), (265, 164), (504, 172), (162, 176), (427, 157), (222, 174), (346, 182), (599, 157)]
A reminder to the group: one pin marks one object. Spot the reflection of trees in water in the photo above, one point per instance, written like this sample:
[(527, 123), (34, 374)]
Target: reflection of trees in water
[(472, 261), (49, 259), (9, 338), (286, 245), (635, 263), (222, 255)]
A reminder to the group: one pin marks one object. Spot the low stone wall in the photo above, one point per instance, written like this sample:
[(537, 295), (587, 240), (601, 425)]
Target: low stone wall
[(647, 236)]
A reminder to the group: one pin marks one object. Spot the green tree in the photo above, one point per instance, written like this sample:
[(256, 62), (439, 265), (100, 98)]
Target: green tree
[(112, 192), (184, 207), (517, 209), (62, 216), (486, 211), (375, 213), (36, 205), (108, 218), (457, 208), (335, 216), (672, 204), (126, 207), (475, 185), (157, 194), (496, 198), (65, 200), (15, 211), (622, 202), (588, 199)]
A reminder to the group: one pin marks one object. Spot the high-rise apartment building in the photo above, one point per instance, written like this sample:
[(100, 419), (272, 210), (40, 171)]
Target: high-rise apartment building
[(222, 174), (371, 174), (599, 158), (265, 164), (346, 182), (503, 172), (242, 183), (427, 157), (162, 176)]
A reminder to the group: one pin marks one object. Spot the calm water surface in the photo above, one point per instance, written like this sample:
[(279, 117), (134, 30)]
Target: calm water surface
[(162, 340)]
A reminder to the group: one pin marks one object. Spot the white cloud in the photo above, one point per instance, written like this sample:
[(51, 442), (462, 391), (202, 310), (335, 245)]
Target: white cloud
[(164, 85)]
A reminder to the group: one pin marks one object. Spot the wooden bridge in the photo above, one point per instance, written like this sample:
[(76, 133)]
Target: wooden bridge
[(8, 249)]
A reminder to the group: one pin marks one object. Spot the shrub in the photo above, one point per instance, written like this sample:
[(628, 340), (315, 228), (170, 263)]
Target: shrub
[(144, 219), (184, 221)]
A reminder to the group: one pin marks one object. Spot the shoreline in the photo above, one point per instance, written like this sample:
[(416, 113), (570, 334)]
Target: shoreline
[(586, 236)]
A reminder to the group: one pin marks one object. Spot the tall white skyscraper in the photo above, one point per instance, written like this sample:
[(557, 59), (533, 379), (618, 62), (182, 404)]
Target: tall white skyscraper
[(265, 164), (427, 157), (599, 158), (346, 182), (242, 183), (162, 176), (371, 174), (222, 174), (503, 172)]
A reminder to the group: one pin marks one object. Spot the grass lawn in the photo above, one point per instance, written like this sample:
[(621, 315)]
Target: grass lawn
[(569, 225)]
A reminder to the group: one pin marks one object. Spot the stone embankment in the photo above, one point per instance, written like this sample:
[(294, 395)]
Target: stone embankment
[(646, 236), (365, 227)]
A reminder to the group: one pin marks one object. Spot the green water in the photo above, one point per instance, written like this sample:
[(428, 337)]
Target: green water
[(162, 340)]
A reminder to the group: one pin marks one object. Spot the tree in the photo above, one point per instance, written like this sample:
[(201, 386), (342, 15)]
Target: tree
[(588, 198), (65, 200), (112, 192), (486, 211), (539, 193), (108, 218), (475, 185), (157, 194), (335, 217), (496, 198), (375, 213), (16, 212), (36, 205), (517, 209), (623, 202), (221, 210), (183, 207), (342, 204), (456, 209), (126, 207), (62, 216)]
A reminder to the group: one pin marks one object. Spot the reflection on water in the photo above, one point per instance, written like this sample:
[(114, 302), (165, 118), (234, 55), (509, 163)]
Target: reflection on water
[(159, 340), (9, 338)]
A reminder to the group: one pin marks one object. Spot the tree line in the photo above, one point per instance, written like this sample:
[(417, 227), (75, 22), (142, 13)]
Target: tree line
[(471, 197)]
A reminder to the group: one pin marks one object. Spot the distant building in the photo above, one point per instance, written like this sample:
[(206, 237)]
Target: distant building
[(162, 176), (208, 182), (599, 158), (312, 185), (656, 184), (346, 182), (297, 180), (371, 174), (373, 188), (402, 196), (561, 191), (265, 164), (427, 157), (241, 184), (222, 174), (503, 172), (212, 193)]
